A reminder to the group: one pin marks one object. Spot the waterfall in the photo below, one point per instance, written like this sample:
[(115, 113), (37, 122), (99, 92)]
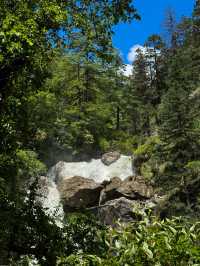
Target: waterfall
[(94, 169), (52, 202)]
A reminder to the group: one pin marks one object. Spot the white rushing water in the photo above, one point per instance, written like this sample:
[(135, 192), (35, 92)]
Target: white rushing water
[(93, 169), (52, 201)]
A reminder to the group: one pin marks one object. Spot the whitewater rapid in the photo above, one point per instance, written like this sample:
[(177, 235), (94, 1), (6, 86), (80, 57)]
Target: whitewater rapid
[(52, 202), (94, 169)]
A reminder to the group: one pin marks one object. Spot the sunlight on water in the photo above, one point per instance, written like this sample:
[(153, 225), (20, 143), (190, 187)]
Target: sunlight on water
[(94, 169)]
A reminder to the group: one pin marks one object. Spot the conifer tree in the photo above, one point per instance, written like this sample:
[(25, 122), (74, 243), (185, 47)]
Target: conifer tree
[(154, 60), (178, 117), (141, 91), (170, 26)]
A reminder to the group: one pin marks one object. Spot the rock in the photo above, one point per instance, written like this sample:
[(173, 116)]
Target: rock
[(79, 193), (113, 210), (110, 157), (136, 187), (122, 209), (131, 188), (110, 190)]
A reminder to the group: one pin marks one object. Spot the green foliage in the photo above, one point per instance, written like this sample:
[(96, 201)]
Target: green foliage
[(104, 145), (125, 142), (28, 38), (86, 105), (178, 132), (148, 242), (64, 93), (147, 170), (148, 147), (25, 229), (156, 243), (80, 259), (29, 165), (84, 234), (193, 166), (25, 261), (145, 161)]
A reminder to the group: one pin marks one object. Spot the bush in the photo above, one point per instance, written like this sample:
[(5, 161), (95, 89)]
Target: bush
[(149, 242), (80, 259), (125, 142), (152, 242), (148, 147), (28, 164), (193, 167), (84, 234)]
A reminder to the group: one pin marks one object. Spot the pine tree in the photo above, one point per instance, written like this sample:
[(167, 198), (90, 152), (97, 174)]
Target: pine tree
[(170, 26), (141, 92), (178, 131), (154, 60)]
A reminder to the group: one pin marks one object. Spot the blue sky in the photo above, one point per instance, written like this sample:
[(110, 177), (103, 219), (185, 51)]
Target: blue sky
[(152, 13)]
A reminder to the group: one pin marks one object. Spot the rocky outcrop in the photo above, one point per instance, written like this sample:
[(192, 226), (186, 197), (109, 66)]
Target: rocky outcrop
[(122, 209), (135, 188), (110, 157), (78, 193), (108, 185), (115, 198), (117, 209), (110, 191), (111, 200)]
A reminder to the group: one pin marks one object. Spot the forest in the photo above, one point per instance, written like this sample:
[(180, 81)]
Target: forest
[(63, 91)]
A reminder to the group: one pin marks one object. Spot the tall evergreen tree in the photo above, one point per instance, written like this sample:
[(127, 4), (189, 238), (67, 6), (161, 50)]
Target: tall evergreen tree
[(141, 91), (170, 26), (154, 59)]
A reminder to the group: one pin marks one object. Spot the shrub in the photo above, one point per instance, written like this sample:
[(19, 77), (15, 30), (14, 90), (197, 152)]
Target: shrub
[(149, 242), (152, 242)]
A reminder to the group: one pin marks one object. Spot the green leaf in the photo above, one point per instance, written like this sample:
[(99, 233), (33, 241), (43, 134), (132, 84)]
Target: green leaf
[(147, 251)]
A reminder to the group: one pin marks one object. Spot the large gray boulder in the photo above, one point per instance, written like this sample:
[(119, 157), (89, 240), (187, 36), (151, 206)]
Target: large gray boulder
[(133, 187), (136, 187), (110, 190), (122, 209), (113, 210), (78, 193), (110, 157)]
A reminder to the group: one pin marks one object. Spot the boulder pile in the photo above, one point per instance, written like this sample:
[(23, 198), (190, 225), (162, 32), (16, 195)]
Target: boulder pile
[(110, 200)]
